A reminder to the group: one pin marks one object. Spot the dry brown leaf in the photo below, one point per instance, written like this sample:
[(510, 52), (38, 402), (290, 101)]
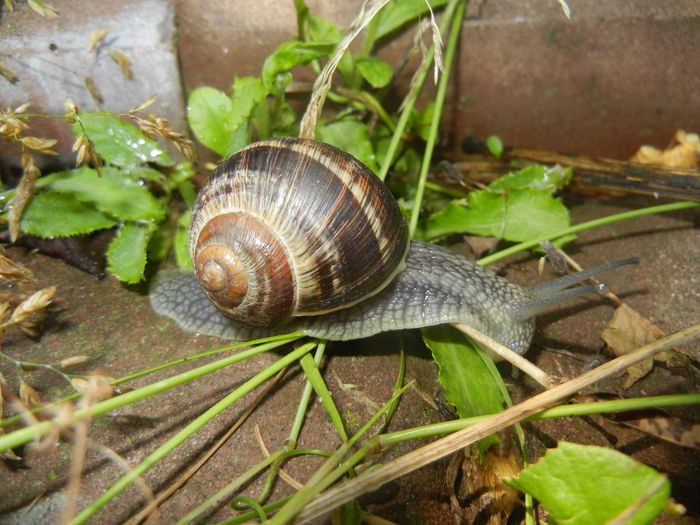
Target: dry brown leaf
[(39, 144), (122, 62), (73, 361), (23, 192), (92, 89), (9, 75), (28, 395), (684, 152), (476, 487), (629, 330), (97, 36), (663, 426)]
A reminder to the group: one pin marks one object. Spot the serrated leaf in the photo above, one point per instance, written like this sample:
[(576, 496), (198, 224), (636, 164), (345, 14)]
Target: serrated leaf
[(399, 12), (535, 177), (468, 381), (181, 239), (287, 56), (519, 215), (351, 136), (209, 112), (113, 193), (120, 143), (126, 254), (589, 485), (375, 71), (76, 217)]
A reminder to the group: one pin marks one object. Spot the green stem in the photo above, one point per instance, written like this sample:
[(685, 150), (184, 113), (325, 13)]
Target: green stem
[(26, 434), (576, 409), (225, 492), (456, 26), (190, 429), (585, 226), (410, 99)]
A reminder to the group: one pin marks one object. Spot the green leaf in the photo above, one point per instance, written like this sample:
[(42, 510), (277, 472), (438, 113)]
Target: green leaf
[(423, 121), (287, 56), (53, 214), (535, 177), (351, 136), (495, 146), (113, 193), (589, 485), (248, 93), (126, 254), (375, 71), (181, 239), (350, 513), (399, 12), (209, 112), (469, 383), (321, 30), (520, 215), (120, 143), (182, 177)]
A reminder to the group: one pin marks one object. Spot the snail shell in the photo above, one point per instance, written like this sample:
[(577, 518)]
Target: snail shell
[(291, 227)]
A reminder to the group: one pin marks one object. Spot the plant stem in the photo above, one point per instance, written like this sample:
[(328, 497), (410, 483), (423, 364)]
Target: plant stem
[(410, 99), (190, 429), (675, 206), (456, 26), (26, 434)]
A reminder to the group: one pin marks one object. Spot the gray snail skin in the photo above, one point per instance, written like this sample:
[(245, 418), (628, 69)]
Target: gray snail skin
[(293, 234)]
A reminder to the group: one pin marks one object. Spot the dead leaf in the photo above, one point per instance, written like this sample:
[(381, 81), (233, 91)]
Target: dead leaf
[(629, 330), (684, 152), (666, 427), (122, 62)]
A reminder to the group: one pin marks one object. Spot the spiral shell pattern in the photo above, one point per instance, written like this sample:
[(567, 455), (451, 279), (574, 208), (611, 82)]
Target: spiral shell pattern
[(290, 227)]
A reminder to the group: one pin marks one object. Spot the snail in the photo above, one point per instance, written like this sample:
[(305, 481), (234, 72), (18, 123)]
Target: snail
[(293, 234)]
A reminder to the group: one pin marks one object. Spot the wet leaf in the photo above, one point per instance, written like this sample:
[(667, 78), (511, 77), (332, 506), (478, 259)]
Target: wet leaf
[(180, 241), (77, 217), (120, 143), (588, 485), (209, 112), (113, 193)]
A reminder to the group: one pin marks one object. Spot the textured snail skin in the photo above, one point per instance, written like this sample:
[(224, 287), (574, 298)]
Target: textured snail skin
[(437, 286)]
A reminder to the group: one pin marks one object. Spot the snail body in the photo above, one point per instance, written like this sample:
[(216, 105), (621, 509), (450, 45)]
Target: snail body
[(296, 235)]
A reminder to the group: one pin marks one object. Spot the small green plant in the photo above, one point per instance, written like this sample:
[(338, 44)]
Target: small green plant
[(130, 187)]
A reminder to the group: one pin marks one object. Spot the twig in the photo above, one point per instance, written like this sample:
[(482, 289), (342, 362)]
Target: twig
[(502, 351), (418, 458)]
